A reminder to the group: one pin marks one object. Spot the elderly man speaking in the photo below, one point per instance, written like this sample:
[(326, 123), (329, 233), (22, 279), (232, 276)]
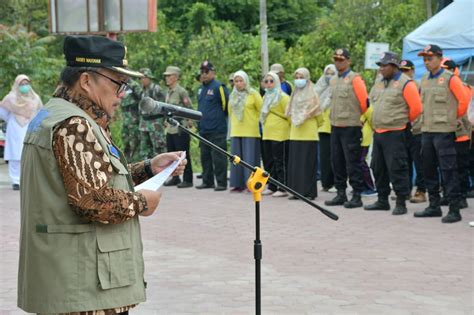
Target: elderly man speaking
[(81, 249)]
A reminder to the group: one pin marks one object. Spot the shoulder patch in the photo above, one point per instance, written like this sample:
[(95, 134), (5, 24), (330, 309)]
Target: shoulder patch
[(35, 123)]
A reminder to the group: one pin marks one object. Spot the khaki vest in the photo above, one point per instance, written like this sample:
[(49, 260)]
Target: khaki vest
[(67, 264), (345, 107), (176, 97), (439, 104), (390, 109)]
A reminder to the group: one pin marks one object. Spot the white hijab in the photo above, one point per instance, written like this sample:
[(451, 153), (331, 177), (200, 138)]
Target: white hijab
[(272, 97), (322, 87), (24, 106), (238, 98), (304, 102)]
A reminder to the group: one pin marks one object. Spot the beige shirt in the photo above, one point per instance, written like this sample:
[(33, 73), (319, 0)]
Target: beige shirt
[(177, 96)]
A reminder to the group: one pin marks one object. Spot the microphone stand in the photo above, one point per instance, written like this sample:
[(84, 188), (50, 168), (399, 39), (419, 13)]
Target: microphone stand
[(256, 184)]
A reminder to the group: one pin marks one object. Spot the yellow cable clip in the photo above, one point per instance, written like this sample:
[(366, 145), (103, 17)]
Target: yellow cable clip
[(235, 159), (256, 183)]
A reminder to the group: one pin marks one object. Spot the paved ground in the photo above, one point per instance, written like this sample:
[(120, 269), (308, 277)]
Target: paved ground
[(199, 258)]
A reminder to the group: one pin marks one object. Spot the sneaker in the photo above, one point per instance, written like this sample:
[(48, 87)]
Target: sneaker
[(236, 189), (184, 185), (279, 194), (220, 188), (369, 193), (419, 197), (471, 224), (204, 186), (332, 190), (267, 192)]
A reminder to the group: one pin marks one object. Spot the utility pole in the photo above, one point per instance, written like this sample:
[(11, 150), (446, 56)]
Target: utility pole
[(429, 9), (264, 36)]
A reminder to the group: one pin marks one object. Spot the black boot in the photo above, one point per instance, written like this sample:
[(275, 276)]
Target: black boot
[(380, 204), (338, 200), (463, 203), (453, 215), (355, 201), (400, 207), (433, 210)]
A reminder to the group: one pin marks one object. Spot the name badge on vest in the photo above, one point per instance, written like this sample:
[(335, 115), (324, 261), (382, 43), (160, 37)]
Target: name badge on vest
[(396, 84), (113, 150), (210, 92), (441, 80)]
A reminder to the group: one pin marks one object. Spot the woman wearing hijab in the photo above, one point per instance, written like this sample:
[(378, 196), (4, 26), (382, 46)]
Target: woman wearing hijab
[(17, 109), (324, 92), (306, 117), (276, 132), (244, 110)]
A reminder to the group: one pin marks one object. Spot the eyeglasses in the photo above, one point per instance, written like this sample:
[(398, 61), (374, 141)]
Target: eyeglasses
[(122, 86), (268, 81)]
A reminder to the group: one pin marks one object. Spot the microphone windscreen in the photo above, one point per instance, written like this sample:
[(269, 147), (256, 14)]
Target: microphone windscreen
[(147, 105)]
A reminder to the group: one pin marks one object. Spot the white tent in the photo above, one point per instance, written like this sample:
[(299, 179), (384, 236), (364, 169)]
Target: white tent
[(452, 29)]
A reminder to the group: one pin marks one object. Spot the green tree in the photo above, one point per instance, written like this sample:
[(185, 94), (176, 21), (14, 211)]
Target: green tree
[(26, 53), (287, 19), (31, 14), (351, 24)]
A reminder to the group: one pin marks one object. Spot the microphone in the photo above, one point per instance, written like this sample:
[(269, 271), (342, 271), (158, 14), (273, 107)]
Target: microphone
[(150, 107)]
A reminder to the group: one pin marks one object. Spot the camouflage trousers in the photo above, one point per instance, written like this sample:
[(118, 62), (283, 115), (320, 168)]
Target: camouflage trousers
[(152, 138), (131, 137)]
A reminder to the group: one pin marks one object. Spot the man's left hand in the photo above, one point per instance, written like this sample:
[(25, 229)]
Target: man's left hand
[(161, 161)]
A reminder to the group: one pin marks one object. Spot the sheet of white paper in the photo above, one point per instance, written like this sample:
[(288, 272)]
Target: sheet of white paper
[(156, 181)]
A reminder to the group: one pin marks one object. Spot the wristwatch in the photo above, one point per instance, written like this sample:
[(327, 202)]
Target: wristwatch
[(148, 169)]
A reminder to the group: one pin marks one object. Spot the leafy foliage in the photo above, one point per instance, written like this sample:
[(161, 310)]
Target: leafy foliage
[(27, 53), (350, 24)]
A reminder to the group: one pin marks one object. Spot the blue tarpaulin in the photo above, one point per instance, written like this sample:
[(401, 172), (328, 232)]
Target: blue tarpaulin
[(452, 29)]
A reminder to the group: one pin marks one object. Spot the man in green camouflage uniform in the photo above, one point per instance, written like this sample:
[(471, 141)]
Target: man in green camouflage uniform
[(130, 132), (152, 132)]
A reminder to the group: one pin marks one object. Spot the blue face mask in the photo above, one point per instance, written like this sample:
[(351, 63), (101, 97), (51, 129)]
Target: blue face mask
[(300, 83), (24, 88), (270, 90)]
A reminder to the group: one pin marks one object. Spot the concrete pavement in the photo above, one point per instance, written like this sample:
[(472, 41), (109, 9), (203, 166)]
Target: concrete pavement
[(199, 257)]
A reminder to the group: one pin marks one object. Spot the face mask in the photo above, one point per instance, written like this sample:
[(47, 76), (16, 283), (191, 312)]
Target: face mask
[(24, 88), (270, 90), (300, 83)]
